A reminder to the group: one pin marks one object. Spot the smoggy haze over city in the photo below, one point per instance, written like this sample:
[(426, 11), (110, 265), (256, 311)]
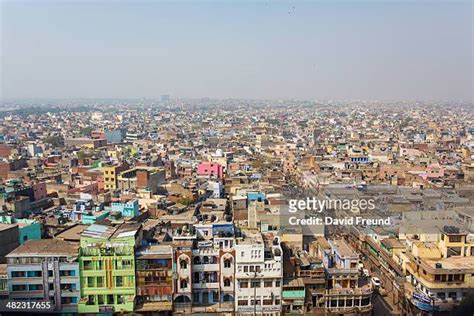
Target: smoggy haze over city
[(304, 50)]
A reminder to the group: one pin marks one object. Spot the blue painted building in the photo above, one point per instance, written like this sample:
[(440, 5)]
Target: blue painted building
[(29, 229), (256, 196), (128, 209)]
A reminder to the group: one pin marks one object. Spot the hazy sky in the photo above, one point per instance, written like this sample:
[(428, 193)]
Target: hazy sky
[(266, 49)]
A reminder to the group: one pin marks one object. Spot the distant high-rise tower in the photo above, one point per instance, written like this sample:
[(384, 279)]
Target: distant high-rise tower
[(165, 98)]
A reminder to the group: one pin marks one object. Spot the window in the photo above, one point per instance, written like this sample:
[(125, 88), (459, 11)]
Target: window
[(255, 284), (458, 277), (100, 281), (90, 300), (244, 284), (227, 282), (277, 283), (90, 282), (18, 287), (183, 284), (36, 287), (246, 269), (110, 299), (183, 264), (268, 284), (18, 274), (67, 273), (88, 265), (243, 303), (227, 263), (118, 281), (455, 238), (267, 302), (120, 299), (68, 286), (127, 264)]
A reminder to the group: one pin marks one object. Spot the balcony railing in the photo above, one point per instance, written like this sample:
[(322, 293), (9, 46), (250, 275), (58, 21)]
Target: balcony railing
[(206, 285)]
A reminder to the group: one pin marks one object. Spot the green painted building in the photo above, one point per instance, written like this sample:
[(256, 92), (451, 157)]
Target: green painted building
[(107, 268)]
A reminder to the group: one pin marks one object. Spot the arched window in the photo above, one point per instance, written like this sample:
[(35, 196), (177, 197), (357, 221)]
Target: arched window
[(183, 284), (183, 264), (197, 260), (205, 260), (226, 282)]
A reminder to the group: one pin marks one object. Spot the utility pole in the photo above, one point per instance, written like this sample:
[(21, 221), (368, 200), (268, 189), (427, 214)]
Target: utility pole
[(255, 297), (255, 275)]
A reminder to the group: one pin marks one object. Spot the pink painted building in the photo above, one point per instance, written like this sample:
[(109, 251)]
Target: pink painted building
[(211, 169), (433, 171)]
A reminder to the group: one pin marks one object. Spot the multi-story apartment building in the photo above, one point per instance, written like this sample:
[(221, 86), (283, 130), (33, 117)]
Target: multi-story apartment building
[(304, 281), (183, 257), (154, 269), (440, 274), (149, 178), (45, 270), (346, 291), (110, 173), (213, 267), (205, 260), (258, 273), (107, 268)]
